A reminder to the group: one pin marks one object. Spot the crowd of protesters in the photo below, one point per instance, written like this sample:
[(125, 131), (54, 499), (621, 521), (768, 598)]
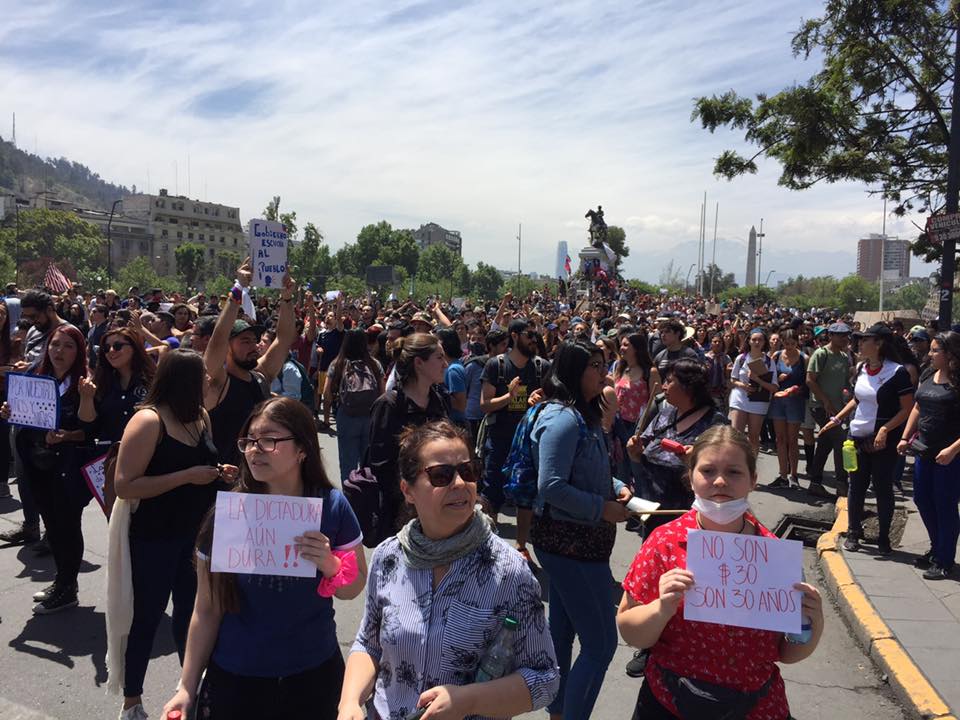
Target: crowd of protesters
[(431, 404)]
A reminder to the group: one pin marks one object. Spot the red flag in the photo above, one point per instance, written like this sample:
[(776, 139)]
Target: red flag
[(566, 265), (55, 280)]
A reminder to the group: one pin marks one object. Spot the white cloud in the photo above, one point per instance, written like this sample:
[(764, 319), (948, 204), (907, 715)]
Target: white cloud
[(479, 116)]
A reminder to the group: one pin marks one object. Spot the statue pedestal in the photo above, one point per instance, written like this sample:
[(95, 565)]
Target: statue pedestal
[(590, 253)]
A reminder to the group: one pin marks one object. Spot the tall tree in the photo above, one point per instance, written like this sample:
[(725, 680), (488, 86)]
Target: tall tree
[(487, 281), (289, 219), (617, 240), (721, 281), (190, 259), (877, 112), (437, 263), (855, 293)]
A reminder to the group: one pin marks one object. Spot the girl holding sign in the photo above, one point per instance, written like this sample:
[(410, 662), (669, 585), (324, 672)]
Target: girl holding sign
[(51, 466), (268, 643), (697, 669)]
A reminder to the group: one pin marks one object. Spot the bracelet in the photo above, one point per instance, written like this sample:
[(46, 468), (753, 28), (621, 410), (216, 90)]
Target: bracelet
[(345, 575)]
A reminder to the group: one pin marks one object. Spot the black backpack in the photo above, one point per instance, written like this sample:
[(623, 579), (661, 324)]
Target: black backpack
[(358, 388)]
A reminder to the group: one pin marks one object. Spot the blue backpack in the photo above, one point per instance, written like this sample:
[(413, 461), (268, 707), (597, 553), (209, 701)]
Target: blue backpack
[(519, 469)]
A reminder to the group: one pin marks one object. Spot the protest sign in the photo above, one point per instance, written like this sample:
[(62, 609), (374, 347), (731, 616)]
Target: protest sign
[(268, 253), (744, 580), (34, 401), (253, 534), (95, 474)]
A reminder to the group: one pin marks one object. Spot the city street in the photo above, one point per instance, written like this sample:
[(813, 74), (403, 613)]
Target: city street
[(53, 666)]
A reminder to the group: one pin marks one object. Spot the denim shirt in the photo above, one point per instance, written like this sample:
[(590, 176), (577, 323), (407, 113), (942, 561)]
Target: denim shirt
[(573, 475)]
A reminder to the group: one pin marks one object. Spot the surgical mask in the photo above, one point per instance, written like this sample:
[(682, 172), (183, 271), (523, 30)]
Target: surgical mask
[(721, 513)]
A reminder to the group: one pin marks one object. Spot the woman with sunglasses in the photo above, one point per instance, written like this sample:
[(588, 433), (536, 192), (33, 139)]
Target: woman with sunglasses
[(266, 646), (446, 583), (168, 465), (124, 373), (577, 507)]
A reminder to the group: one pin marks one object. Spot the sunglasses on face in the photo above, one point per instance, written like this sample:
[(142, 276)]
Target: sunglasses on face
[(442, 475), (116, 346)]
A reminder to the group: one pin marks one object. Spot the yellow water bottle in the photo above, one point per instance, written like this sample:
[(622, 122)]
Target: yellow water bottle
[(849, 456)]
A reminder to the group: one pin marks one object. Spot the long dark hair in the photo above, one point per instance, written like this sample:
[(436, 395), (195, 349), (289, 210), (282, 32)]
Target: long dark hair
[(178, 385), (142, 366), (566, 373), (949, 343), (641, 348), (294, 417), (354, 347), (5, 335), (79, 367)]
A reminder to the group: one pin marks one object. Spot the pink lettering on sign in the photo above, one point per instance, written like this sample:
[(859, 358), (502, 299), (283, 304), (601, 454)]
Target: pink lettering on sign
[(745, 581)]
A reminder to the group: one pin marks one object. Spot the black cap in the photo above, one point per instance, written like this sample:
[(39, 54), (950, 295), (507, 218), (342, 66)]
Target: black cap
[(877, 330), (241, 326)]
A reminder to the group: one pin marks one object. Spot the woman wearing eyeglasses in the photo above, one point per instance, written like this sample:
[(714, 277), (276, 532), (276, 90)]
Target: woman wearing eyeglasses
[(168, 465), (438, 595), (266, 646)]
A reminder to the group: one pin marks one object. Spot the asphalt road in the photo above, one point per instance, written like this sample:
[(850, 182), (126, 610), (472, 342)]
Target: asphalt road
[(53, 666)]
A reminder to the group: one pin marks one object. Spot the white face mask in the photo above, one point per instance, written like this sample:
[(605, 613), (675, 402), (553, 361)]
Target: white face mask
[(721, 513)]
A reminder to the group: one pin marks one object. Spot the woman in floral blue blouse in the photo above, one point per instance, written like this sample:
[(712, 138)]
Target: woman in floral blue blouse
[(437, 595)]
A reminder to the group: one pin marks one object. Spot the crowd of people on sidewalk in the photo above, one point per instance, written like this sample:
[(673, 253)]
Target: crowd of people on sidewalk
[(554, 406)]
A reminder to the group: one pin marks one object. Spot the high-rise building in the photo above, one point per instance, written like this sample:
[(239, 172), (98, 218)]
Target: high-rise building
[(894, 252), (433, 234), (560, 270), (175, 220), (751, 276)]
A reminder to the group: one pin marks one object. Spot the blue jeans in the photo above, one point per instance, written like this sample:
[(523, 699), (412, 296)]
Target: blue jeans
[(353, 436), (581, 605), (936, 491), (495, 452)]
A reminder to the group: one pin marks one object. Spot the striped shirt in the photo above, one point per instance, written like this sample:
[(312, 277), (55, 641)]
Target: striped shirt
[(421, 638)]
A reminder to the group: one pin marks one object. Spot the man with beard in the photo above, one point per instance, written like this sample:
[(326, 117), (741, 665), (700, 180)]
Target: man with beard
[(510, 381), (239, 376)]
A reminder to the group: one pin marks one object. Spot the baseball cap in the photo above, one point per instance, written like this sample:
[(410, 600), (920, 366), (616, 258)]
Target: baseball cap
[(423, 318), (839, 328), (241, 326), (878, 330), (919, 335)]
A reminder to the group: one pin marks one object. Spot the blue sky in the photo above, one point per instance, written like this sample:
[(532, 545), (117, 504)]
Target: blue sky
[(475, 115)]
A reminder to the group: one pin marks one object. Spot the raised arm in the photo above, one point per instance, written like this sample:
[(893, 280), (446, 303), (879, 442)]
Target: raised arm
[(215, 356), (272, 361)]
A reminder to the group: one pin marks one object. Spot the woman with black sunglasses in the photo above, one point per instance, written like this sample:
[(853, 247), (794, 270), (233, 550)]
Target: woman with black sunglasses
[(447, 583)]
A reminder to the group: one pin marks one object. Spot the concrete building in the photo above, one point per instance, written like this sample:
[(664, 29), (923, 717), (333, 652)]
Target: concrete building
[(174, 220), (130, 237), (895, 254), (433, 234)]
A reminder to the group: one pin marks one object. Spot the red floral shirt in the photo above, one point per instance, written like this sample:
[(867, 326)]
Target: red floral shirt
[(735, 657), (631, 398)]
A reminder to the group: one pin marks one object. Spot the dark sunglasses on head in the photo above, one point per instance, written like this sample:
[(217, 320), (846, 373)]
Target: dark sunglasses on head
[(117, 346), (442, 475)]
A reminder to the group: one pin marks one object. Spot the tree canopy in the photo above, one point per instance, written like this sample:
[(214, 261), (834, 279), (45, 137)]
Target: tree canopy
[(877, 111)]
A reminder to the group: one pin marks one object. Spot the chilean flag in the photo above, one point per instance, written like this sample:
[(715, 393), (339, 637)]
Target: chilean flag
[(566, 265)]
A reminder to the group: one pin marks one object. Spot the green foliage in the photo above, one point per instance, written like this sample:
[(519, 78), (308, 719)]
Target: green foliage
[(876, 112), (311, 258), (350, 284), (52, 235), (909, 297), (139, 273), (854, 293), (486, 281), (644, 287), (617, 240), (190, 259), (721, 282), (752, 295), (378, 244), (220, 285), (801, 292), (289, 220), (438, 263)]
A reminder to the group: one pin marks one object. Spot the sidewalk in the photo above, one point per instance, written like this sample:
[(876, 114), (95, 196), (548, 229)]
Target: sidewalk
[(908, 625)]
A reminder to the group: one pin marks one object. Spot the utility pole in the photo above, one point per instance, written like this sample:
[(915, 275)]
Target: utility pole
[(713, 264), (760, 236), (110, 241), (519, 242), (948, 259), (883, 251)]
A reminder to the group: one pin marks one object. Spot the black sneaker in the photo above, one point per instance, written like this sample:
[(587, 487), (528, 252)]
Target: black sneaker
[(779, 482), (23, 535), (41, 547), (884, 550), (819, 491), (42, 595), (638, 664), (794, 482), (924, 561), (851, 544), (935, 572), (62, 598)]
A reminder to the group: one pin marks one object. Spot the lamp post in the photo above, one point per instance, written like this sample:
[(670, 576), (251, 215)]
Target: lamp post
[(110, 241), (767, 281), (686, 283), (760, 236)]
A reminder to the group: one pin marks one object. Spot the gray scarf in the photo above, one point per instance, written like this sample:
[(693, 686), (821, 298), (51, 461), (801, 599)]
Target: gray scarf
[(422, 553)]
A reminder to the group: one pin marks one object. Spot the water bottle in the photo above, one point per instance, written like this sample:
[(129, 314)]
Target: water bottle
[(174, 715), (497, 659), (806, 627), (849, 456)]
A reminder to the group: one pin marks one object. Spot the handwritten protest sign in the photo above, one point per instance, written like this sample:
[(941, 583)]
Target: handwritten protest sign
[(34, 401), (744, 580), (253, 534), (268, 253), (95, 474)]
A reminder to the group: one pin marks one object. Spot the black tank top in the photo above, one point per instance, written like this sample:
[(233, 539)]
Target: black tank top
[(178, 512), (231, 413)]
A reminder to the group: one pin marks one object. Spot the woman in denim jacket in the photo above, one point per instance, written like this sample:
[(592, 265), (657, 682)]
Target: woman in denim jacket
[(577, 507)]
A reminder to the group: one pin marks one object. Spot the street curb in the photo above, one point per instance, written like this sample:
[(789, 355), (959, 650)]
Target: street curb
[(866, 624)]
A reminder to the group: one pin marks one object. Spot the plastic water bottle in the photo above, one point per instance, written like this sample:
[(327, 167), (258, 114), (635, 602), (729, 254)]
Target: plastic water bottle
[(849, 456), (497, 659), (806, 627)]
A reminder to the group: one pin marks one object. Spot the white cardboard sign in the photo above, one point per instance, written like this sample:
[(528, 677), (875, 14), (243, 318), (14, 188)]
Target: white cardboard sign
[(744, 580), (95, 474), (268, 253), (34, 401), (253, 534)]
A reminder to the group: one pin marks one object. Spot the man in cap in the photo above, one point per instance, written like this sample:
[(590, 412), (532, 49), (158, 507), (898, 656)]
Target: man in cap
[(422, 322), (919, 342), (672, 334), (828, 376), (239, 376)]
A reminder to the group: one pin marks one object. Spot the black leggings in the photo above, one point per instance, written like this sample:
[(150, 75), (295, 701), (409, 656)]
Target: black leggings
[(62, 515), (311, 694), (877, 468)]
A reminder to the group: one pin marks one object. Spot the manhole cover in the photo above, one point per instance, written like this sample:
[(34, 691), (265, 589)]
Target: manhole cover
[(806, 530)]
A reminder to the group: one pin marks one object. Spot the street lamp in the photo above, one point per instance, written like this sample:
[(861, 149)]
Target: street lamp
[(686, 283), (110, 241), (767, 281)]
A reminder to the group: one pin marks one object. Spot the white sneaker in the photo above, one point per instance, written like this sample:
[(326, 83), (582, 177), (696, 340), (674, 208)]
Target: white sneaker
[(134, 713)]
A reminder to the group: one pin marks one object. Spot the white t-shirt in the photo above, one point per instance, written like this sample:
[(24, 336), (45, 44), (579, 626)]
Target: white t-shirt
[(739, 398)]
